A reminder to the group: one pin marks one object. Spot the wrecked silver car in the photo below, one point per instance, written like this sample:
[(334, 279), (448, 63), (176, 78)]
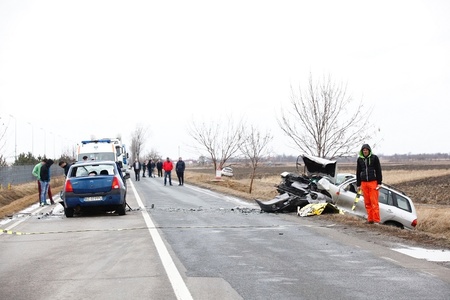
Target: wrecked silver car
[(300, 190), (396, 208), (321, 184)]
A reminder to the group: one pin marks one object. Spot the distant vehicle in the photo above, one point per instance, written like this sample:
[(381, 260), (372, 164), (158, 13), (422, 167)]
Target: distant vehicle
[(396, 208), (104, 149), (94, 185), (227, 171)]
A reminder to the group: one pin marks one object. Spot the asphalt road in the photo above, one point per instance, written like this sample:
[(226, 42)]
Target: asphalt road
[(182, 242)]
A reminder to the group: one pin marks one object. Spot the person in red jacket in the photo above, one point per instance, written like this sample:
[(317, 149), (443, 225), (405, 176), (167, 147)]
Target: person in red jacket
[(167, 167)]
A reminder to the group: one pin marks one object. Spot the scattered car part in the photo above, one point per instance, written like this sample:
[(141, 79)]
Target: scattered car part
[(282, 203), (315, 209), (358, 195)]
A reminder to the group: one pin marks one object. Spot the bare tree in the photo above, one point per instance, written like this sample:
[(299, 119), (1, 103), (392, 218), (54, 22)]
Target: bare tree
[(255, 147), (153, 155), (321, 120), (220, 140), (138, 138)]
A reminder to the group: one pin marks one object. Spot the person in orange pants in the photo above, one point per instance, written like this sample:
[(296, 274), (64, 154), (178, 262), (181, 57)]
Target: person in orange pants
[(368, 179)]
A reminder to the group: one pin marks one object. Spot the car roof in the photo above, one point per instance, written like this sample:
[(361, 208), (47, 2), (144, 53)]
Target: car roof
[(94, 162)]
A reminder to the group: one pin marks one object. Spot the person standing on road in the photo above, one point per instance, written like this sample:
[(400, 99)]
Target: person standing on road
[(45, 181), (151, 168), (159, 166), (179, 168), (167, 167), (368, 180), (144, 168), (137, 169), (37, 173)]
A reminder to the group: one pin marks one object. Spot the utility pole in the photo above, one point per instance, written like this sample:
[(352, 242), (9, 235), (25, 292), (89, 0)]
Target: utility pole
[(15, 138)]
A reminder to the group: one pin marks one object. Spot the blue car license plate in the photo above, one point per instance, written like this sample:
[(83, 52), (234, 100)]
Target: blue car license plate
[(95, 198)]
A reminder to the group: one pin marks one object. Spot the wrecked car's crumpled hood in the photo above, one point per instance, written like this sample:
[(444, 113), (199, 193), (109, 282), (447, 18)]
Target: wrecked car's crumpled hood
[(320, 167)]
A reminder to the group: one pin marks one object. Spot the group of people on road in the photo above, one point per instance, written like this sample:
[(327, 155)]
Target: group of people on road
[(42, 173), (166, 166)]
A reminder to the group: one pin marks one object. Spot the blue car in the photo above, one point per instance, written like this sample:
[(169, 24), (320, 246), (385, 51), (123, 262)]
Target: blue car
[(94, 186)]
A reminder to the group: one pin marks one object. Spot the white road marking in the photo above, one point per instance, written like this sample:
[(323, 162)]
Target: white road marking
[(178, 284)]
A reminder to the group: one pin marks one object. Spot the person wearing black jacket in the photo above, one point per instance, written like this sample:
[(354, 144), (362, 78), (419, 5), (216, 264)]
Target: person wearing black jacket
[(150, 168), (179, 168), (137, 169), (144, 168), (368, 180), (159, 166), (45, 181), (65, 166)]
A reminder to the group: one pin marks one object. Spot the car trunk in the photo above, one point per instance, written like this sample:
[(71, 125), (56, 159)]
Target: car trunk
[(92, 184)]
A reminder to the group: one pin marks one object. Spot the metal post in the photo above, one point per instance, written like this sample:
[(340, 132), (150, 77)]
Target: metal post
[(32, 138), (15, 138)]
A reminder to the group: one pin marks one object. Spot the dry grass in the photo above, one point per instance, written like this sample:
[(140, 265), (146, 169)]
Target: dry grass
[(21, 196), (394, 177), (434, 220)]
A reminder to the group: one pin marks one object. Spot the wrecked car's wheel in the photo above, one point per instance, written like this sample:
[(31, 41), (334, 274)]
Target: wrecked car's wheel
[(69, 212), (395, 224)]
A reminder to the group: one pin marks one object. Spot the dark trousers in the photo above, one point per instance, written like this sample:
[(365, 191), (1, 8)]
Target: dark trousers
[(137, 174), (159, 172), (143, 172), (180, 175), (167, 174)]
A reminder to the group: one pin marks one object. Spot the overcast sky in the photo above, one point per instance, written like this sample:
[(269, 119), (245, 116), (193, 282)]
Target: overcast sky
[(70, 70)]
